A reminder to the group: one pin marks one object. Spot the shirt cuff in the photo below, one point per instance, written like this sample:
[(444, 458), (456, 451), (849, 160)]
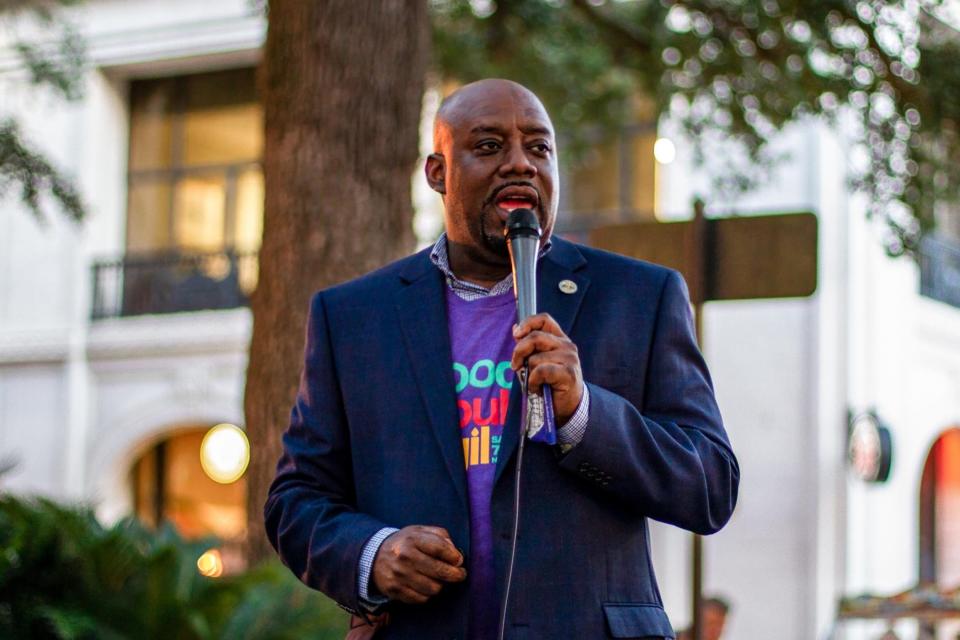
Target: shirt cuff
[(570, 434), (366, 567)]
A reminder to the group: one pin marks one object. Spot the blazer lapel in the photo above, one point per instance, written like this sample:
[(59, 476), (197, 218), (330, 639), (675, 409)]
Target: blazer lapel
[(421, 308), (562, 262)]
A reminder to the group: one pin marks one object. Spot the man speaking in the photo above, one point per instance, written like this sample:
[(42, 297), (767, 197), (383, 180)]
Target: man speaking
[(395, 488)]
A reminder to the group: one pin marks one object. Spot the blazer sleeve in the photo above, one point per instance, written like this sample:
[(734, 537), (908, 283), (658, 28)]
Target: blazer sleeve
[(310, 513), (671, 460)]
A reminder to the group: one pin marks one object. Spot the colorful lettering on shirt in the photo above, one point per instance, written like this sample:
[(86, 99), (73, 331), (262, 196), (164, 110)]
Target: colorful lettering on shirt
[(482, 416)]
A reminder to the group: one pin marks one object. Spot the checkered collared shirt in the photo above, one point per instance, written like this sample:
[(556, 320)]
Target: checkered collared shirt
[(468, 290)]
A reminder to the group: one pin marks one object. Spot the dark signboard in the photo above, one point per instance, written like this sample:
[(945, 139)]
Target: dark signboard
[(770, 256)]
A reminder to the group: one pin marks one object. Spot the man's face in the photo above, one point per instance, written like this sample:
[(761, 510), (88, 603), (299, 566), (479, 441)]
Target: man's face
[(498, 154)]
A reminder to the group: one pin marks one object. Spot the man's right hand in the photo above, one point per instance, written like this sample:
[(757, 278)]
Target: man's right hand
[(413, 563)]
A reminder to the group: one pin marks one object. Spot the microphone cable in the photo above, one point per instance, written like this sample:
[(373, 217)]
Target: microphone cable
[(522, 229), (516, 519)]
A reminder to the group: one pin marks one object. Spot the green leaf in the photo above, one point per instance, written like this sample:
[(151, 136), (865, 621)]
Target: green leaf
[(22, 166)]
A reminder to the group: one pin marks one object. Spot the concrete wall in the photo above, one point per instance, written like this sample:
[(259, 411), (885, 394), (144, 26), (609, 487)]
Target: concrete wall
[(905, 362)]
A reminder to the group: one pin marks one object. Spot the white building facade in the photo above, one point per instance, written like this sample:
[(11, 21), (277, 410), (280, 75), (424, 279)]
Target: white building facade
[(90, 409)]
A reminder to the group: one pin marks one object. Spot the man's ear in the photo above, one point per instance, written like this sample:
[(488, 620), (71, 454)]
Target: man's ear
[(436, 170)]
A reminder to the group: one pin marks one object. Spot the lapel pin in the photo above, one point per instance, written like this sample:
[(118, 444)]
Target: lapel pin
[(568, 286)]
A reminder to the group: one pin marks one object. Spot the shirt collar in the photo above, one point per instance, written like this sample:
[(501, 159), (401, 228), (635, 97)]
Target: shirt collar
[(470, 290)]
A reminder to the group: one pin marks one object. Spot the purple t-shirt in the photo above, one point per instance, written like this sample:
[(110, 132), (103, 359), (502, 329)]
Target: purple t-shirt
[(482, 343)]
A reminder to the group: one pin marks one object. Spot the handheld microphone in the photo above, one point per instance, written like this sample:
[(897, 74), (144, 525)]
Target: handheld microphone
[(523, 242)]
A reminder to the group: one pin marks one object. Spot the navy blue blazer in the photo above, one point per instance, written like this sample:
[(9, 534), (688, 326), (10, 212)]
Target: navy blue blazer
[(373, 441)]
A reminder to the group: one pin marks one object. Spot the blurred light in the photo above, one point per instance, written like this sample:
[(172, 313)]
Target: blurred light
[(664, 150), (210, 564), (225, 453)]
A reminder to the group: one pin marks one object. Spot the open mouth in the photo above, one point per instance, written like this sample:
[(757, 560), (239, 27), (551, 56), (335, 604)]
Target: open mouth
[(515, 197)]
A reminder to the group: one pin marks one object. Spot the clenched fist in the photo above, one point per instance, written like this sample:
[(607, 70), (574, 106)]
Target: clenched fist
[(413, 564)]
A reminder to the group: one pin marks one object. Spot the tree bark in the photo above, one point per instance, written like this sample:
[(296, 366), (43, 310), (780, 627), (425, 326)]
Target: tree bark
[(342, 83)]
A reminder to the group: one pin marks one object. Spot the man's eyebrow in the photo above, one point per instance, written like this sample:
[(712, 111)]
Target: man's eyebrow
[(486, 128), (538, 129), (529, 129)]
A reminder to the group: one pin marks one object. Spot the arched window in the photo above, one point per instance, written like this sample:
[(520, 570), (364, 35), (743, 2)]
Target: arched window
[(940, 513), (169, 485)]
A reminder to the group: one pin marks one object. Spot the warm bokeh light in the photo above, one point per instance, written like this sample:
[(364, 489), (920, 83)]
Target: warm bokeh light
[(225, 453), (210, 564), (664, 150)]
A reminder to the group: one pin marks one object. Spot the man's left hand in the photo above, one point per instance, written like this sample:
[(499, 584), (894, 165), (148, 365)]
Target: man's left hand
[(553, 359)]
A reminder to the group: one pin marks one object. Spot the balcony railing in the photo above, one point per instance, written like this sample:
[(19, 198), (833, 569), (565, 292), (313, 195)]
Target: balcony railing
[(940, 270), (172, 282)]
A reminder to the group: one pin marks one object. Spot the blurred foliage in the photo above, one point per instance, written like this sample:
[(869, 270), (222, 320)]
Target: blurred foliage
[(21, 165), (57, 64), (740, 70), (65, 576)]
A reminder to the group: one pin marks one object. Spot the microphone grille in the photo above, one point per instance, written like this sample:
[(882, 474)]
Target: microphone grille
[(522, 222)]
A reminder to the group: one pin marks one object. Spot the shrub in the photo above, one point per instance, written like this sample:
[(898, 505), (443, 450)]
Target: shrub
[(63, 575)]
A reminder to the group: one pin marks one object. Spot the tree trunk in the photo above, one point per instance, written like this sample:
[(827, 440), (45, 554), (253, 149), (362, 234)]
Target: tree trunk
[(342, 84)]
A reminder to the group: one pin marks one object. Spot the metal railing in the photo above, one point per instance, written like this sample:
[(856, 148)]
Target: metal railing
[(172, 282), (940, 270)]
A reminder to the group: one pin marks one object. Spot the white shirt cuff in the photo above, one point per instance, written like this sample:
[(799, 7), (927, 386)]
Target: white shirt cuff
[(367, 557), (570, 434)]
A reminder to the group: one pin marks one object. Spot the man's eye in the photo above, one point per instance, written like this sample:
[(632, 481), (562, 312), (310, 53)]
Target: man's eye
[(488, 145), (541, 147)]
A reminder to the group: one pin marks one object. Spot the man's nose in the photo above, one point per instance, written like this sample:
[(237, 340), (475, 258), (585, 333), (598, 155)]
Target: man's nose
[(517, 163)]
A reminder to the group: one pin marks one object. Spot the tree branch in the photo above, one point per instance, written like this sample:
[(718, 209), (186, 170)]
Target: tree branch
[(618, 30), (21, 165)]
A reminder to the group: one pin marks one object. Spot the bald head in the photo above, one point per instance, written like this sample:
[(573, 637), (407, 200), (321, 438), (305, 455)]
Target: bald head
[(477, 99), (493, 151)]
